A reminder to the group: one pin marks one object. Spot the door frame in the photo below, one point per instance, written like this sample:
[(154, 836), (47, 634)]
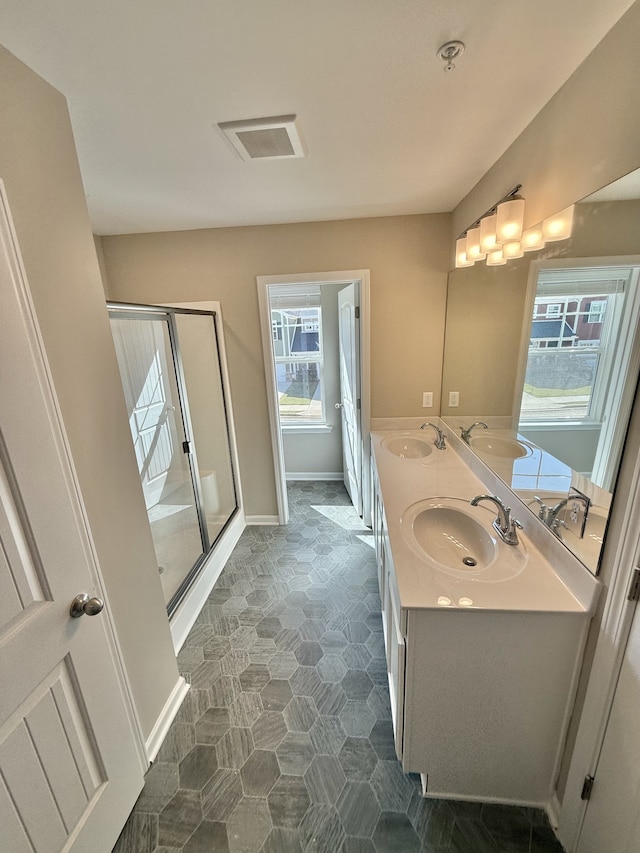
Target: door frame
[(361, 277), (46, 390), (609, 634)]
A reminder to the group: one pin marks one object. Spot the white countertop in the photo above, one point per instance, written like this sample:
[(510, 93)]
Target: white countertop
[(537, 588)]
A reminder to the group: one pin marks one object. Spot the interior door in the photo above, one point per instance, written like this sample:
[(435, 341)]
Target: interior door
[(612, 819), (349, 342), (70, 763)]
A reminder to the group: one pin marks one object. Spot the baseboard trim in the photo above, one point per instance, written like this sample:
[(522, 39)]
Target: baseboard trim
[(336, 476), (167, 716), (553, 811), (261, 519), (189, 610)]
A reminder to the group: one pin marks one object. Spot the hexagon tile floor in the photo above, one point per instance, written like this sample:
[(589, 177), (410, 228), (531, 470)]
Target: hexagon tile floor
[(284, 742)]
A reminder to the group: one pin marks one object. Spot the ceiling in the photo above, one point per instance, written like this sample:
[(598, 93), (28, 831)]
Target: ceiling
[(387, 130)]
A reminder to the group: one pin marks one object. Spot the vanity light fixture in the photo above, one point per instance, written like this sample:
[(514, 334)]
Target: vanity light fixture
[(510, 219), (558, 227), (496, 258), (461, 253), (512, 250), (498, 235), (532, 239), (474, 252), (488, 236)]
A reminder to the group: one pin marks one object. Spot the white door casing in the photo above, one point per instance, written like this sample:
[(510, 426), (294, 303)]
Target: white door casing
[(362, 278), (71, 753), (612, 818), (349, 345)]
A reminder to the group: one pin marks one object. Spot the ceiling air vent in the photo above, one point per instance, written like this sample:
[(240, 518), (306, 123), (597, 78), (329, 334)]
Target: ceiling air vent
[(274, 138)]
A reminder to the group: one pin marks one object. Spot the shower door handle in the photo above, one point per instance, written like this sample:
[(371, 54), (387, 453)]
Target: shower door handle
[(82, 604)]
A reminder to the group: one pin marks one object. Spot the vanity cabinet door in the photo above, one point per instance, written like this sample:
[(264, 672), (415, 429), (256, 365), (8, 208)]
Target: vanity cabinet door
[(395, 648), (396, 678)]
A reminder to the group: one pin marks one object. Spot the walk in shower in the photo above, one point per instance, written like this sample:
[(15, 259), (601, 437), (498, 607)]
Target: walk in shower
[(170, 365)]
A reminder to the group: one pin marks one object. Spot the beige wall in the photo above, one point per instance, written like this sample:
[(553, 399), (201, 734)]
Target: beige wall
[(39, 168), (408, 258), (585, 137)]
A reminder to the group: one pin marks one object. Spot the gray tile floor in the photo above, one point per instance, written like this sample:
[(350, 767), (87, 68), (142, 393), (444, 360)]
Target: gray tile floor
[(284, 742)]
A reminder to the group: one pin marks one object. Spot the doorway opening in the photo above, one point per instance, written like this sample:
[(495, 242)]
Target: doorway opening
[(315, 336)]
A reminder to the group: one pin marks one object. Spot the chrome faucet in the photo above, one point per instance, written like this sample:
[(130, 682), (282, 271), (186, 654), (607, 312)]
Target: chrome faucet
[(466, 433), (503, 524), (439, 442)]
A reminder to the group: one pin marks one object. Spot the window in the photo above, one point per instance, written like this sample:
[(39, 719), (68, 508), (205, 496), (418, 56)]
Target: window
[(299, 364), (553, 310), (596, 311)]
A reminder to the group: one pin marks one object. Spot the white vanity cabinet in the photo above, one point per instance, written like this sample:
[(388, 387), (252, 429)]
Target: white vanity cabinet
[(480, 696)]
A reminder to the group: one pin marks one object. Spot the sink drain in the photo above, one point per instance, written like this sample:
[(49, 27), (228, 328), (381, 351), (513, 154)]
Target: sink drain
[(469, 561)]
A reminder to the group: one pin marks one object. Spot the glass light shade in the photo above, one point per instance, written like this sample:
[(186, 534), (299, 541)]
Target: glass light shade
[(512, 250), (532, 239), (488, 240), (474, 252), (558, 227), (461, 253), (510, 216), (495, 259)]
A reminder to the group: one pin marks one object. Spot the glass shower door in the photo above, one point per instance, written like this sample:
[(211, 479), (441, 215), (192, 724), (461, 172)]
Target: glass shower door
[(144, 352), (200, 365)]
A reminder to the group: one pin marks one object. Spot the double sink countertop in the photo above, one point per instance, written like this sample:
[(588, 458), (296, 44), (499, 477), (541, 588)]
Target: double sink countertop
[(540, 574)]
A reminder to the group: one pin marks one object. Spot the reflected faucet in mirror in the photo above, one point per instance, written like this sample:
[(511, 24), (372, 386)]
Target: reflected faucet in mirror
[(465, 432), (568, 357)]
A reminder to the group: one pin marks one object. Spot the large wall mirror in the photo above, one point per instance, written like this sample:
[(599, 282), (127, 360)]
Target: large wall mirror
[(546, 352)]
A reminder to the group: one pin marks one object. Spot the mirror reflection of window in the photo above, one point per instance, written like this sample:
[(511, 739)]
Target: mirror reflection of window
[(581, 347)]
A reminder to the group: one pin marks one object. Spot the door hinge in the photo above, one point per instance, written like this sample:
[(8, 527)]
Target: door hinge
[(587, 787), (357, 312), (186, 446), (358, 403), (634, 589)]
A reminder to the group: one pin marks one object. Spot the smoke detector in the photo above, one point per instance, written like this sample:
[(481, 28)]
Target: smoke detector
[(274, 138)]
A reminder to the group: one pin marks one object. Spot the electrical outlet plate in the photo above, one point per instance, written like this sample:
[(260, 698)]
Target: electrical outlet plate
[(454, 399), (576, 512), (427, 399)]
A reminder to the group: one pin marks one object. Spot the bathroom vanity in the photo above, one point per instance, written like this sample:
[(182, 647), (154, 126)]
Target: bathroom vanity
[(484, 640)]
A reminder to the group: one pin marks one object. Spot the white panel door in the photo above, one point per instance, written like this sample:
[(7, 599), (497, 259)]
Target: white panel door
[(349, 338), (70, 756), (612, 819)]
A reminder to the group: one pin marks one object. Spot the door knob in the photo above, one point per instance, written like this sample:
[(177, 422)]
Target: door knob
[(82, 604)]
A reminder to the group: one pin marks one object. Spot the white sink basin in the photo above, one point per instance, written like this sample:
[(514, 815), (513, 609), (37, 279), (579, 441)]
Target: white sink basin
[(407, 447), (506, 448), (450, 535)]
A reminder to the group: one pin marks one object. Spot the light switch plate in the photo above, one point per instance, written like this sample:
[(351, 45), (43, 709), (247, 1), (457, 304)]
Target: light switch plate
[(427, 399), (454, 399)]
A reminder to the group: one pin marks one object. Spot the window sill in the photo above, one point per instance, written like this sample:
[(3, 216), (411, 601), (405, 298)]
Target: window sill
[(547, 426), (306, 429)]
